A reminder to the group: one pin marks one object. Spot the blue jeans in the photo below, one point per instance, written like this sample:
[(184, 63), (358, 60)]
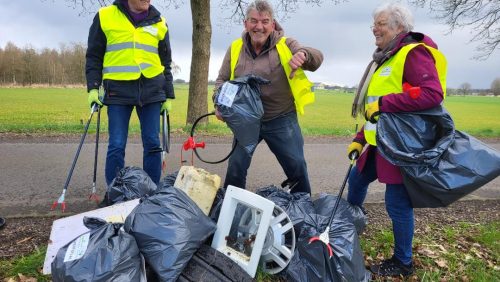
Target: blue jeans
[(397, 204), (284, 139), (118, 118)]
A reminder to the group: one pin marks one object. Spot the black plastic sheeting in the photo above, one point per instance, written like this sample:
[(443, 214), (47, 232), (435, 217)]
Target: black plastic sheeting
[(130, 183), (217, 204), (439, 164), (111, 255), (311, 262), (169, 228), (244, 114)]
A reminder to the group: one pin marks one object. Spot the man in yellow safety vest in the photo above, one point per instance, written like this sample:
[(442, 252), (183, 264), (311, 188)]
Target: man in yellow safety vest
[(263, 50)]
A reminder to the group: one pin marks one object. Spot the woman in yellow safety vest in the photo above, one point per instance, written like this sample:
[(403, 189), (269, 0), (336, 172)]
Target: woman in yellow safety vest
[(129, 54), (407, 74)]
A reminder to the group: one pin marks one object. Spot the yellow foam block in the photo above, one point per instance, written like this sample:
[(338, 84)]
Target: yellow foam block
[(200, 185)]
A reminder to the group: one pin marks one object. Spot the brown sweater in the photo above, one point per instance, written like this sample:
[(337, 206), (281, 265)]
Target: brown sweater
[(277, 97)]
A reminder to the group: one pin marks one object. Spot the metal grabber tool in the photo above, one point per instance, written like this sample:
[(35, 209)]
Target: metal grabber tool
[(60, 201), (165, 140), (324, 237), (93, 196)]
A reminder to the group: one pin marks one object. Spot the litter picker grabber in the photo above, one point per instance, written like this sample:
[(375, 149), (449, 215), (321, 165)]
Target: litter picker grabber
[(165, 146), (93, 196), (324, 237), (95, 108), (165, 140)]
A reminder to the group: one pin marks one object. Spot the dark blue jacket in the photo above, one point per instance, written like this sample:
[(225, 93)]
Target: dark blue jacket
[(137, 92)]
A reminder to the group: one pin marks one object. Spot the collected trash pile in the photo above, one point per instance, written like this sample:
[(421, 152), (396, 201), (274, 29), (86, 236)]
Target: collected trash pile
[(187, 229)]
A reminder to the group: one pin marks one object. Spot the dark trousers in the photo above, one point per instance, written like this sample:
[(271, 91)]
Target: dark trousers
[(397, 204), (284, 138), (118, 122)]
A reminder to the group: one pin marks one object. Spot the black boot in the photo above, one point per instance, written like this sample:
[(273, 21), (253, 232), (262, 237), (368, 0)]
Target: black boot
[(392, 267)]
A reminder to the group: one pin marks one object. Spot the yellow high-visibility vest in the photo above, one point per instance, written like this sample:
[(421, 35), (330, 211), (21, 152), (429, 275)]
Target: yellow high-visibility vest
[(301, 86), (388, 78), (130, 51)]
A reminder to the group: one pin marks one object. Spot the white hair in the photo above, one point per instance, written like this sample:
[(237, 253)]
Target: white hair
[(398, 15), (261, 6)]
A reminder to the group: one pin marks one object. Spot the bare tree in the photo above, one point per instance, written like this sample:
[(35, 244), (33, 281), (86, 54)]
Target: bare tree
[(465, 88), (200, 58), (495, 86), (482, 16)]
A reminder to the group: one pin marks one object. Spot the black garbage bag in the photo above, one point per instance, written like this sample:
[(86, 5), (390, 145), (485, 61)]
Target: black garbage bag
[(217, 204), (324, 206), (239, 104), (169, 179), (311, 261), (295, 205), (130, 183), (439, 164), (105, 253), (169, 228)]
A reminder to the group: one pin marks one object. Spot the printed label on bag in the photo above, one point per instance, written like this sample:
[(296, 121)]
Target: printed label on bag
[(77, 249), (227, 93)]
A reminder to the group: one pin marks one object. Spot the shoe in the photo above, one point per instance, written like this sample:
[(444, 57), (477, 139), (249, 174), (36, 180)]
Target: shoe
[(392, 267), (2, 222)]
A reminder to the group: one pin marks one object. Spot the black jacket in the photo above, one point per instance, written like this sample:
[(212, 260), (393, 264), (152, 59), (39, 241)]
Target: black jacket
[(131, 92)]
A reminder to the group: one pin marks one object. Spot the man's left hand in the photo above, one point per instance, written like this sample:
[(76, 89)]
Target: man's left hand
[(296, 62), (372, 112), (166, 106)]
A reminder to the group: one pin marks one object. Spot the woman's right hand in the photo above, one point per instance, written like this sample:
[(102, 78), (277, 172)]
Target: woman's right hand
[(354, 150)]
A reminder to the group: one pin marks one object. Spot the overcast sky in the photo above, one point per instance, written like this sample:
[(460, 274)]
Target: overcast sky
[(340, 31)]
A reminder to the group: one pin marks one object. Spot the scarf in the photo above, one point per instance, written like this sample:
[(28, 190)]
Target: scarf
[(379, 56)]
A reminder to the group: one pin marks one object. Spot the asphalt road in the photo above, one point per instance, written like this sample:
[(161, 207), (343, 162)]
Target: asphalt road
[(32, 175)]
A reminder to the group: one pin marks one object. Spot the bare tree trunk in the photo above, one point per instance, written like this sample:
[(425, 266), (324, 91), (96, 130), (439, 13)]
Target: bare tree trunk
[(198, 78)]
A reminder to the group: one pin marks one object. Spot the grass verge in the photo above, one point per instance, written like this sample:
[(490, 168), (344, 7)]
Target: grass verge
[(61, 111)]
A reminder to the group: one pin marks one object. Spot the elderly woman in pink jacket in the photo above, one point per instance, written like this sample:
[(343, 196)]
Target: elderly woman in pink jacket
[(407, 74)]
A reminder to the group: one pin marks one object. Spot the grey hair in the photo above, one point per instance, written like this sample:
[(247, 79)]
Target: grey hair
[(260, 6), (399, 15)]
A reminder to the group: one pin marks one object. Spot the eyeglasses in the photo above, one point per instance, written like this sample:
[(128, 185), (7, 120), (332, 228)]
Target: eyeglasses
[(378, 25)]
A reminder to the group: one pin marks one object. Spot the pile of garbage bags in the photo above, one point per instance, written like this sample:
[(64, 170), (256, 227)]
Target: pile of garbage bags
[(166, 235), (164, 230), (311, 261)]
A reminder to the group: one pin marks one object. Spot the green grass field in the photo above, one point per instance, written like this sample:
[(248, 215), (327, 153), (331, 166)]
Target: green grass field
[(65, 110)]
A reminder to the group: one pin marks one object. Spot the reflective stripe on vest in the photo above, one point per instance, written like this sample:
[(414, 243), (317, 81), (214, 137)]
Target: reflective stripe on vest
[(388, 78), (130, 51), (301, 86)]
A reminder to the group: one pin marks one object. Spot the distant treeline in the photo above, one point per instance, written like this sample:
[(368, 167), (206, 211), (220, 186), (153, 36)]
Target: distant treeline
[(66, 66), (28, 66)]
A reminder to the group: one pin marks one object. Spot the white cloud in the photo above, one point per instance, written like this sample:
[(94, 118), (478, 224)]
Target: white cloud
[(340, 31)]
